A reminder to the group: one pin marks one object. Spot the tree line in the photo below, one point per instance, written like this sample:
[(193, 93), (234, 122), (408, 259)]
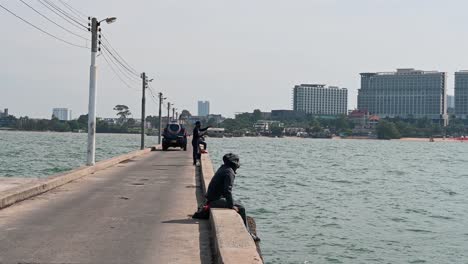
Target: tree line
[(387, 128), (124, 124)]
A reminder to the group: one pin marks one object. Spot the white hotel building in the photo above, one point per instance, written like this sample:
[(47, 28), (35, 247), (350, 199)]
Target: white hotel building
[(406, 93), (317, 99), (63, 114)]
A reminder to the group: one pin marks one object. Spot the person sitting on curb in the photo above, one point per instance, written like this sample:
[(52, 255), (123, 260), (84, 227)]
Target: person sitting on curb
[(203, 143), (219, 193)]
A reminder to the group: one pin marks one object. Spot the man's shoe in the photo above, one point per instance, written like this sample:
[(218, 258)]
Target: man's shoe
[(255, 238)]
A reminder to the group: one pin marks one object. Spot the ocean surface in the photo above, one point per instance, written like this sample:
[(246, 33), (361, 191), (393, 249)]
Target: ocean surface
[(40, 154), (314, 201), (353, 201)]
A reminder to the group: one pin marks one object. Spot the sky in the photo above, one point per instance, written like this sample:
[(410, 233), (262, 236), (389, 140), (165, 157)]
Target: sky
[(239, 55)]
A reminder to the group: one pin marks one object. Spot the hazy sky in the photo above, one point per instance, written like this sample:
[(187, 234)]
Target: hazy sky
[(240, 55)]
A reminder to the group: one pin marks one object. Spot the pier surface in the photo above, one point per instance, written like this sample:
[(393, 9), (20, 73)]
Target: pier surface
[(134, 212)]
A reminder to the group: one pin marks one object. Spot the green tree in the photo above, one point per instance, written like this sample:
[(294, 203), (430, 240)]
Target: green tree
[(231, 125), (276, 130), (387, 130), (212, 122), (131, 122), (153, 120), (74, 125), (256, 115), (83, 121), (185, 114), (122, 112)]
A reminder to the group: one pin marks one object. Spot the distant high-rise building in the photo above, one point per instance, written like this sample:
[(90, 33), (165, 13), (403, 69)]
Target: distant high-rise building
[(450, 101), (320, 100), (4, 113), (461, 94), (63, 114), (203, 108), (450, 104), (406, 93)]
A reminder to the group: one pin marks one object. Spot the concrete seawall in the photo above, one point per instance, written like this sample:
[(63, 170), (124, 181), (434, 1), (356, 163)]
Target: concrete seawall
[(28, 190), (232, 242)]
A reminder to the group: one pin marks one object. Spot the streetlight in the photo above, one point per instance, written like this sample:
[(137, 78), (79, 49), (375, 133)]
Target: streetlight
[(108, 20), (91, 151)]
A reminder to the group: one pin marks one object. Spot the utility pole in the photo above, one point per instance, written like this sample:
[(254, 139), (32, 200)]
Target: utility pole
[(94, 28), (173, 113), (168, 112), (90, 157), (143, 104), (160, 117)]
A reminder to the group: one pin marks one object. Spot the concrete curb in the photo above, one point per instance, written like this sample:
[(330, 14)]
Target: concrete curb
[(232, 243), (27, 191)]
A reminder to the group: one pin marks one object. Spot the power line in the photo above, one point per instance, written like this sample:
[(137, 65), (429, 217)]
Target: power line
[(116, 74), (50, 20), (65, 13), (153, 97), (74, 10), (122, 70), (117, 60), (118, 55), (83, 27), (43, 31)]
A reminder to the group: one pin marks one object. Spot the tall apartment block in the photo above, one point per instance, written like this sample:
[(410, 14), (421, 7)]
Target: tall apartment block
[(461, 94), (203, 108), (63, 114), (406, 93), (317, 99)]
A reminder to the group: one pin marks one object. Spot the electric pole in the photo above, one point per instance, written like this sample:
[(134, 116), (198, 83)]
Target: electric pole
[(94, 28), (90, 157), (173, 113), (143, 104), (168, 112), (160, 117)]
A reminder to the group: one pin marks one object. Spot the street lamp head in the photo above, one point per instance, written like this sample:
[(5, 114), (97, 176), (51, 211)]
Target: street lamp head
[(150, 80), (110, 20)]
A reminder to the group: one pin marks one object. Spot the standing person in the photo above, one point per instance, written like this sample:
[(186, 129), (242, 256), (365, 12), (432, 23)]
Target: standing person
[(219, 194), (196, 140)]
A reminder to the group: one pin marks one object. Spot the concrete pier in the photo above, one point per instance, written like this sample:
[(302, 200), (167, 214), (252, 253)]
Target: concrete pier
[(232, 243), (134, 212)]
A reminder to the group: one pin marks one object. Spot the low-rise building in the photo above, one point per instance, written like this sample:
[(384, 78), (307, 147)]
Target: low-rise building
[(364, 122), (264, 126)]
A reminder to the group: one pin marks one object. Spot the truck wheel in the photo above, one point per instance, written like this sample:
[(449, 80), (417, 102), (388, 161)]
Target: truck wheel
[(185, 147)]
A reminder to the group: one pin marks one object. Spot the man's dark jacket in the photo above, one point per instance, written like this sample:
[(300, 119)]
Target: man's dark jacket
[(221, 185), (196, 134)]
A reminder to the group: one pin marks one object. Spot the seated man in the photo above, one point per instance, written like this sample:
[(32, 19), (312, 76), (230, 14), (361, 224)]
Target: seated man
[(203, 143), (219, 194)]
